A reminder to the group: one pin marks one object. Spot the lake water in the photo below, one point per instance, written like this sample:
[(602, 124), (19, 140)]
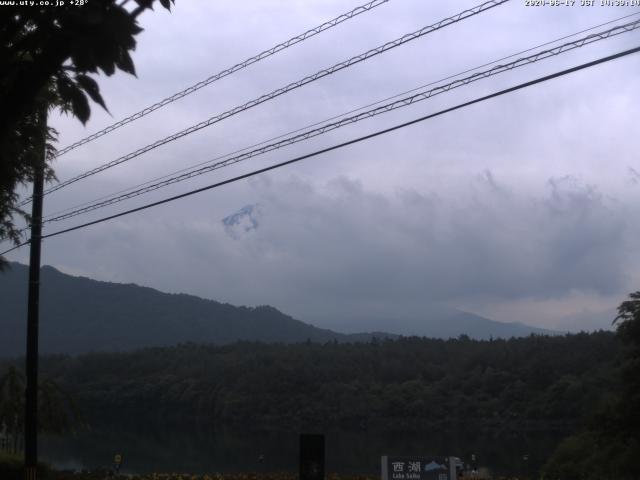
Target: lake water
[(148, 449)]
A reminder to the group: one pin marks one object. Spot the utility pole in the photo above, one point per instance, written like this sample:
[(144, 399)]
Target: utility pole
[(31, 393)]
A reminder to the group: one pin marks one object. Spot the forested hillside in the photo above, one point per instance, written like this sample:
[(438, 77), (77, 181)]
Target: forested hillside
[(407, 384), (80, 315)]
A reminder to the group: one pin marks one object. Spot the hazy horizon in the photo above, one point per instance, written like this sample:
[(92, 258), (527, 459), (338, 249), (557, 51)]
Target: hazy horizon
[(404, 324)]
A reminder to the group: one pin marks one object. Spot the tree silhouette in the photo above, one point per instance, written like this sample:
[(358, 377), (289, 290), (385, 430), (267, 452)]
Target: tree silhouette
[(57, 411), (46, 55), (628, 321), (609, 446)]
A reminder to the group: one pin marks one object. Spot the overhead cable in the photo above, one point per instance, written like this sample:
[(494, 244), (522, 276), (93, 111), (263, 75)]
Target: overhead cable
[(334, 117), (282, 90), (403, 102), (344, 144), (224, 73)]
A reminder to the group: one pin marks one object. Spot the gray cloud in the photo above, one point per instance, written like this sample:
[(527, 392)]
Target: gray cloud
[(522, 201), (339, 248)]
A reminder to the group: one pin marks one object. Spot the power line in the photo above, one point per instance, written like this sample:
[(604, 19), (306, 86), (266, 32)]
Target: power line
[(15, 248), (347, 143), (224, 73), (401, 103), (280, 91), (264, 142)]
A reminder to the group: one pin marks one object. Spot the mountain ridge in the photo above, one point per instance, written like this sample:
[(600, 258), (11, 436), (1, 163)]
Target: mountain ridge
[(80, 315)]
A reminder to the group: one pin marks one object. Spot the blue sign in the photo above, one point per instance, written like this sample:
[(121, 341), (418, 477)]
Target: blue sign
[(420, 468)]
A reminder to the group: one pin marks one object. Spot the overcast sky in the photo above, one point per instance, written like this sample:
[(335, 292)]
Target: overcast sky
[(522, 208)]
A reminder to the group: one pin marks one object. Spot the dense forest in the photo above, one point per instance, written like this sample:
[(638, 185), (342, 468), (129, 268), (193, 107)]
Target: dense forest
[(528, 383), (582, 386)]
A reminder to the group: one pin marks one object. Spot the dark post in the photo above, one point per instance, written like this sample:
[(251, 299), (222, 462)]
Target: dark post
[(311, 457), (31, 393)]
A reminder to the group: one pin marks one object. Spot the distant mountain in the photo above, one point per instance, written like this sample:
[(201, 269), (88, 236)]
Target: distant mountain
[(82, 315), (588, 320), (441, 322)]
